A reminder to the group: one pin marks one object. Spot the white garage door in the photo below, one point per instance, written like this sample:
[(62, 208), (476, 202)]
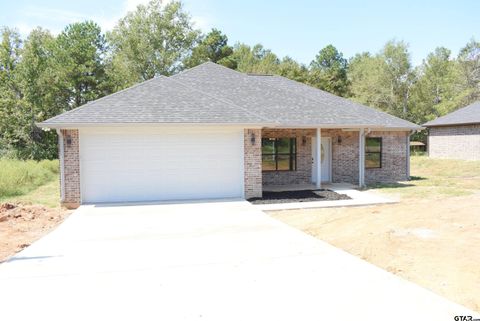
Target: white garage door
[(147, 164)]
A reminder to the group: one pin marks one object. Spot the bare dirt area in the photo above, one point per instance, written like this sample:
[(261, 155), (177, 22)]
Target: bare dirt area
[(20, 225), (433, 242)]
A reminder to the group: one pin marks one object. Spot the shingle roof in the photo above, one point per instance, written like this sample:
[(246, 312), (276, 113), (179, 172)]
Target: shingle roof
[(159, 100), (465, 115), (210, 93)]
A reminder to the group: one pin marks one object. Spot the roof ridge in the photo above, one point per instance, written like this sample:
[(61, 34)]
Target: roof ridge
[(219, 99), (209, 63), (71, 111)]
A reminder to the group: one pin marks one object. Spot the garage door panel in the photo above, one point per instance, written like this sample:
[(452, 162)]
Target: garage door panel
[(161, 164)]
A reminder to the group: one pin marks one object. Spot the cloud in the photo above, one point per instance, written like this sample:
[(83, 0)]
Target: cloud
[(201, 23), (131, 5), (55, 19)]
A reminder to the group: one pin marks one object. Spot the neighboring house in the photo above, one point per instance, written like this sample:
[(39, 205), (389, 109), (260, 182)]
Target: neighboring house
[(456, 135), (212, 132)]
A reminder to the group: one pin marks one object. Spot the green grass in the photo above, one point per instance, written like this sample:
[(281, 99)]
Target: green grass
[(433, 178), (29, 181)]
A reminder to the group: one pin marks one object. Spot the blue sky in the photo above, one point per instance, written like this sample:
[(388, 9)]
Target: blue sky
[(295, 28)]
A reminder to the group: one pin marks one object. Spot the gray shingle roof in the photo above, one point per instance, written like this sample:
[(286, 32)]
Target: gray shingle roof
[(465, 115), (210, 93), (159, 100)]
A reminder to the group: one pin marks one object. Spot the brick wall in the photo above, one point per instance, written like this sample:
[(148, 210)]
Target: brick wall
[(252, 163), (71, 170), (455, 142), (394, 158), (344, 155), (303, 174)]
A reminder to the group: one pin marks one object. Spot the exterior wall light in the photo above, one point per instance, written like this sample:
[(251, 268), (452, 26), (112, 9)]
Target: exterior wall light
[(252, 138), (339, 140), (69, 140), (304, 140)]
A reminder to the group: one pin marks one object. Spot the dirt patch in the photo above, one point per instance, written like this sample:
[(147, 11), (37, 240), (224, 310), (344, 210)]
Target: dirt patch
[(298, 196), (432, 242), (20, 225)]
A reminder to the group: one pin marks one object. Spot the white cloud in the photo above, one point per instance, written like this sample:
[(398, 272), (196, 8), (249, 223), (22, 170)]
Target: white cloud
[(201, 23), (131, 5), (56, 19)]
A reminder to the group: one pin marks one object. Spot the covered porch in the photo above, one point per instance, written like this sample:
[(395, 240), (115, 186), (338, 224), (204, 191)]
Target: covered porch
[(312, 158)]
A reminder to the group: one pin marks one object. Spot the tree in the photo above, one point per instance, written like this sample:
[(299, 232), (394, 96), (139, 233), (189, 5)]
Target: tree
[(10, 94), (80, 53), (291, 69), (153, 40), (399, 72), (435, 91), (384, 80), (255, 59), (469, 67), (42, 96), (212, 47), (367, 77), (329, 71)]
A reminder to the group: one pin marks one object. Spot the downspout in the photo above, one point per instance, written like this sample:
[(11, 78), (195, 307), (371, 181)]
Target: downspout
[(61, 150)]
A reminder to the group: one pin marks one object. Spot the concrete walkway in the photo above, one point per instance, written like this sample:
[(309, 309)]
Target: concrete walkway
[(358, 198), (200, 261)]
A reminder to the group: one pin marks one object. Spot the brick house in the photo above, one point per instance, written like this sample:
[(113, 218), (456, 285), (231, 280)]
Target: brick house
[(211, 132), (456, 135)]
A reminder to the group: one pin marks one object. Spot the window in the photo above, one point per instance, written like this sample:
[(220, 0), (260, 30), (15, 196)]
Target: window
[(373, 152), (279, 154)]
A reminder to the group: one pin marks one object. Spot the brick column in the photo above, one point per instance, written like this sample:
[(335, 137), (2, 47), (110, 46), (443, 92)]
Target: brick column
[(71, 168), (252, 163)]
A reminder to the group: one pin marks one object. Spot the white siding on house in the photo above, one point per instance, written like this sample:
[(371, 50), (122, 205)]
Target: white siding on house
[(160, 163)]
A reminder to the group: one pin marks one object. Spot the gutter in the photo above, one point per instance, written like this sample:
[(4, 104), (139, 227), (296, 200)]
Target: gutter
[(89, 125), (346, 127)]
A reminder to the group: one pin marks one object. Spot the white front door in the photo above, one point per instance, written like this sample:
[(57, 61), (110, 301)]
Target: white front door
[(326, 161)]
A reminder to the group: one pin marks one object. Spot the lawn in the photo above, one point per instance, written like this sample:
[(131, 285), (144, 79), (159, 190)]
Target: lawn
[(436, 178), (430, 237), (30, 182)]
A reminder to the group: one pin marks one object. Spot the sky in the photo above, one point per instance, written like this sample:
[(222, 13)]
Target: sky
[(298, 29)]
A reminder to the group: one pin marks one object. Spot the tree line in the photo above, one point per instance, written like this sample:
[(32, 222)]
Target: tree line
[(45, 74)]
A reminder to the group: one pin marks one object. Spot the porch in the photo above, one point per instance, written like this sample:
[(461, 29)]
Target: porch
[(293, 158)]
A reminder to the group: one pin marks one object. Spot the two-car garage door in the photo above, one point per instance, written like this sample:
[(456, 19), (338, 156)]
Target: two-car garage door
[(145, 164)]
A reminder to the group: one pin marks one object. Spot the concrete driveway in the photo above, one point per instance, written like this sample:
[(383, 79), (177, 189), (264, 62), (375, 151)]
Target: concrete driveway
[(205, 261)]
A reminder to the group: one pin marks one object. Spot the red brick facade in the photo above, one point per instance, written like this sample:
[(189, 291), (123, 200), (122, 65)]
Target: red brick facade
[(345, 155), (455, 142), (394, 158), (71, 168), (252, 143)]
